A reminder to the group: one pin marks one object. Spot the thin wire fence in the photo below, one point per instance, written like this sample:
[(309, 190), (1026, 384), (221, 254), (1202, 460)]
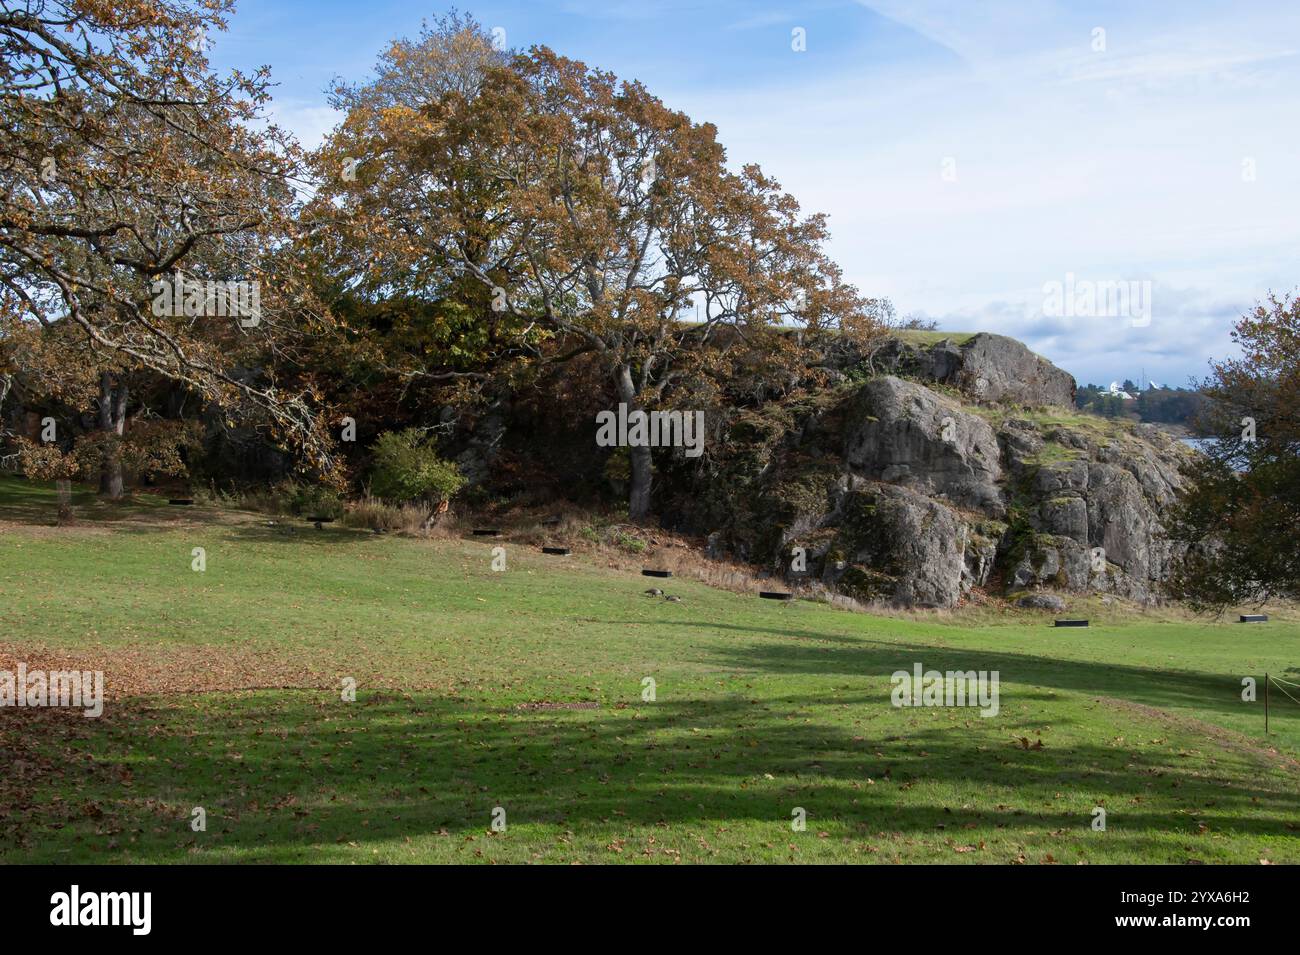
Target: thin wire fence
[(1281, 685)]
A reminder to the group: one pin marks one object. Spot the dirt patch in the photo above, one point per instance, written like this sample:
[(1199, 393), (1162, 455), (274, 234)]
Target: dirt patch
[(98, 520), (50, 531), (142, 671)]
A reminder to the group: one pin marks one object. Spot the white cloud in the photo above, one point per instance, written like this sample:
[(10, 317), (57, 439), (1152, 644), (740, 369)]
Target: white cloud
[(309, 122), (1119, 166)]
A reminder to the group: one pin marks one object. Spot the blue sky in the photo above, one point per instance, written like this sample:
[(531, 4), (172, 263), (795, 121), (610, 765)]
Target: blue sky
[(968, 154)]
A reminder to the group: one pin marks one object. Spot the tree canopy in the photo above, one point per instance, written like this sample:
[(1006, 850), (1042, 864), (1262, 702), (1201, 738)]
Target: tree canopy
[(478, 215), (573, 214), (1244, 500), (129, 166)]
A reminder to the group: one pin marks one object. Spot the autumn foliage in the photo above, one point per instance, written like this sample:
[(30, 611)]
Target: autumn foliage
[(477, 219), (1245, 494)]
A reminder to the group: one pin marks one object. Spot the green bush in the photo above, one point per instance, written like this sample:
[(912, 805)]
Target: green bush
[(312, 500), (407, 468), (618, 466), (629, 543)]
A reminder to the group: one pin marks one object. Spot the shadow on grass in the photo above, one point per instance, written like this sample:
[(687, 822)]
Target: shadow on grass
[(282, 773), (1209, 694), (36, 503), (299, 531)]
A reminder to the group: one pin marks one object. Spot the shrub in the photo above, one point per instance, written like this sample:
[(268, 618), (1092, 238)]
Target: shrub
[(287, 497), (313, 500), (407, 468), (630, 543), (371, 513)]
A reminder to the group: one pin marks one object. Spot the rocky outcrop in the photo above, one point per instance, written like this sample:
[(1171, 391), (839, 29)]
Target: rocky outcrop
[(1093, 512), (986, 368), (1003, 369), (900, 432), (900, 546), (897, 491)]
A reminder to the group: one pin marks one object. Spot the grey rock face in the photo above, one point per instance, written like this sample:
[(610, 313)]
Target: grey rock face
[(995, 368), (987, 368), (897, 492), (1121, 520), (1064, 477), (1096, 517), (485, 441), (907, 549), (1053, 561), (903, 433), (1041, 602), (1020, 443), (1065, 517)]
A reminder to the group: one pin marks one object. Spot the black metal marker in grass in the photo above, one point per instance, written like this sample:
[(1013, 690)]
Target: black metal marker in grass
[(1071, 623), (1253, 618), (558, 551), (180, 501), (775, 595), (647, 572), (486, 532)]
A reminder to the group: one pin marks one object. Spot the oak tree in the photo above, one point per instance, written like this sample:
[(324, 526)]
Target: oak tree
[(1237, 518), (556, 201), (128, 166)]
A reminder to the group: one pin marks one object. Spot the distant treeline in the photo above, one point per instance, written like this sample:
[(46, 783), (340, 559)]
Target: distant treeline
[(1155, 405)]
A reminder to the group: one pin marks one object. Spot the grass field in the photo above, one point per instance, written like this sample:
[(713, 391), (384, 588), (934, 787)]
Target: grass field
[(224, 693)]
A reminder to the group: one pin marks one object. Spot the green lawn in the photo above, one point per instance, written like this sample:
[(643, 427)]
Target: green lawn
[(224, 694), (917, 336)]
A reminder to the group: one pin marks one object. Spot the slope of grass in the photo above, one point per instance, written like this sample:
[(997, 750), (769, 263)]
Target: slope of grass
[(918, 336), (225, 694)]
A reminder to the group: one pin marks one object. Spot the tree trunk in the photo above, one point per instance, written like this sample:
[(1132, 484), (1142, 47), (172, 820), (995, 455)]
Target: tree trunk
[(435, 512), (64, 487), (112, 422), (638, 503)]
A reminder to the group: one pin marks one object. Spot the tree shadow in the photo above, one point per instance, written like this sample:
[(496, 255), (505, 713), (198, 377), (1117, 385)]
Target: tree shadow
[(300, 532), (1213, 694), (284, 775), (35, 504)]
